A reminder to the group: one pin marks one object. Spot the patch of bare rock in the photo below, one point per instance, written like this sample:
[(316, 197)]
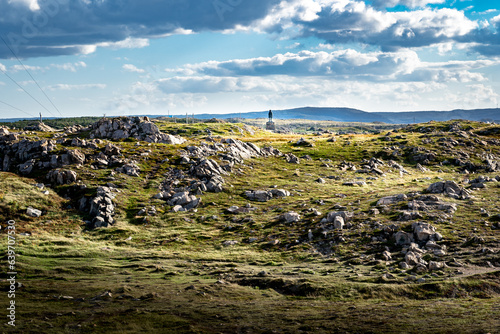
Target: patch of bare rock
[(140, 128)]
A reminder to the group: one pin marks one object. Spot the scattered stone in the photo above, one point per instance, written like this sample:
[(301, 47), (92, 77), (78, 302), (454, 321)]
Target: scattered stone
[(433, 265), (229, 243), (303, 142), (290, 217), (292, 159), (338, 223), (450, 189), (403, 238), (390, 200), (259, 195), (423, 231), (130, 169), (35, 213), (354, 183)]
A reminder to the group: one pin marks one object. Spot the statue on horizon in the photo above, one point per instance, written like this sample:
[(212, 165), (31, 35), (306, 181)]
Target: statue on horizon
[(270, 124)]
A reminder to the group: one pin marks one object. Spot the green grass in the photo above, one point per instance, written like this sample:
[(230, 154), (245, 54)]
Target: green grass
[(171, 273)]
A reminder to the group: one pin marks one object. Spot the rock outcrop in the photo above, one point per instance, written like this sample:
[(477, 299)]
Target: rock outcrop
[(450, 189), (266, 195), (61, 176), (100, 208), (140, 128)]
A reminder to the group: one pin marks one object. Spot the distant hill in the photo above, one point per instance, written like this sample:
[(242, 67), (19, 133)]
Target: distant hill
[(426, 116), (356, 115)]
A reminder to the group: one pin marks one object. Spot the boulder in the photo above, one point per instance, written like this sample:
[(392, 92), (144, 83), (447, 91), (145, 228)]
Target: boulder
[(35, 213), (403, 238), (338, 223), (207, 168), (412, 258), (433, 265), (215, 184), (450, 189), (280, 193), (27, 167), (423, 231), (61, 176), (386, 255), (346, 216), (292, 159), (259, 195), (290, 217), (111, 149), (389, 200), (130, 169)]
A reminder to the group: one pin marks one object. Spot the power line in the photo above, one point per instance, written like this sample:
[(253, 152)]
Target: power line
[(29, 73), (16, 108), (18, 85)]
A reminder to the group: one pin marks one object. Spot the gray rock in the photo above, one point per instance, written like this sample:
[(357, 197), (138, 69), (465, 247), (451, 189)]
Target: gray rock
[(403, 238), (338, 223), (412, 258), (346, 216), (61, 176), (433, 265), (27, 167), (178, 208), (292, 159), (450, 189), (35, 213), (290, 217), (140, 128), (76, 157), (130, 169), (229, 243), (389, 200), (423, 231), (280, 193), (259, 195)]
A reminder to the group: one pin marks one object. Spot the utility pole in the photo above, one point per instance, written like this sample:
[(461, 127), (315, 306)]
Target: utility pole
[(40, 117), (187, 119)]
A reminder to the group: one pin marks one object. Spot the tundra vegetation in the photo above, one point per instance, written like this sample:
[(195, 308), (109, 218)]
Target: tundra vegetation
[(128, 225)]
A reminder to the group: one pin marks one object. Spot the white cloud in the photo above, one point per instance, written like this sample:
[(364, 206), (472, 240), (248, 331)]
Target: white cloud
[(3, 68), (76, 87), (72, 67), (473, 96), (407, 3), (128, 43), (343, 21), (404, 65), (133, 68), (17, 68), (31, 4)]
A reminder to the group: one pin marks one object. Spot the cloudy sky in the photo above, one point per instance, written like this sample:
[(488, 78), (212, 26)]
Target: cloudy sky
[(123, 57)]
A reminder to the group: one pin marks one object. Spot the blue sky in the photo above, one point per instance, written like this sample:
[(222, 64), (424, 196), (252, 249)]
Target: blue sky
[(124, 57)]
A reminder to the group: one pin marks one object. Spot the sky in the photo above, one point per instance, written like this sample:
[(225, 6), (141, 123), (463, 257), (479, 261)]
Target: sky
[(123, 57)]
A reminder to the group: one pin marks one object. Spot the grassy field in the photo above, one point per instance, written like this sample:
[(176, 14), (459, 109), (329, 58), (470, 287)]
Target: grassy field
[(175, 273)]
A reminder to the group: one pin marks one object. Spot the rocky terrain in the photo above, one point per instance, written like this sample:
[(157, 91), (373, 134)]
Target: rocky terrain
[(149, 217)]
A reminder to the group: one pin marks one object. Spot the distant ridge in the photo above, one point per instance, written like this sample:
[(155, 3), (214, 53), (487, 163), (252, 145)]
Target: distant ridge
[(351, 115), (356, 115)]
